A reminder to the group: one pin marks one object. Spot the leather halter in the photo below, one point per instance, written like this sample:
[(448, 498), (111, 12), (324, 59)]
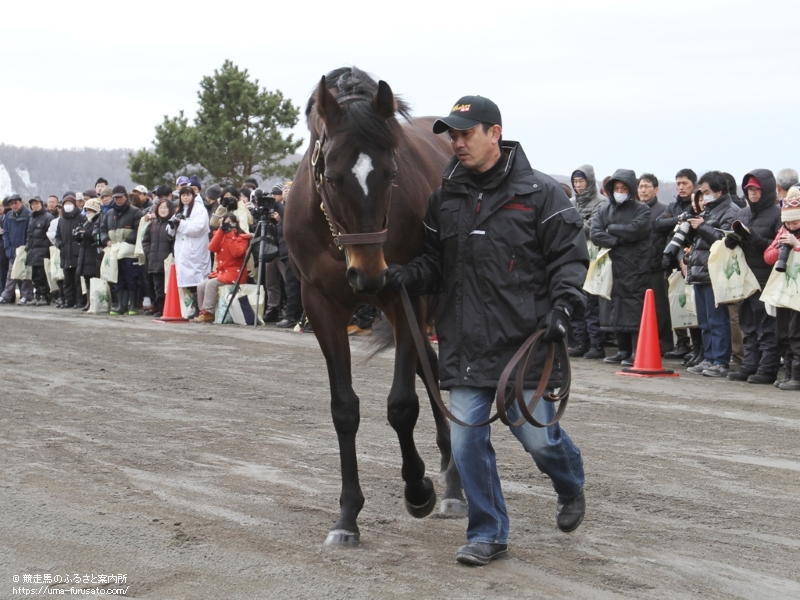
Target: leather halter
[(340, 235)]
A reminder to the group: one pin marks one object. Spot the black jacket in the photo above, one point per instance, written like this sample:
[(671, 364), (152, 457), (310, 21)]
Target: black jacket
[(70, 247), (38, 244), (128, 218), (658, 239), (88, 261), (506, 248), (157, 244), (719, 216), (763, 219), (625, 228)]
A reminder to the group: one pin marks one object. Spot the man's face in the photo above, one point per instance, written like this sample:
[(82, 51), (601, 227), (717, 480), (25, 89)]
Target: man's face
[(35, 205), (196, 190), (119, 200), (621, 188), (753, 194), (706, 190), (685, 186), (16, 205), (52, 202), (80, 202), (106, 200), (476, 150), (579, 184), (646, 190), (278, 197), (99, 188)]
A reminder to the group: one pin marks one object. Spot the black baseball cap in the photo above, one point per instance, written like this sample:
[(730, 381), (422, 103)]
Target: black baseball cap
[(468, 112)]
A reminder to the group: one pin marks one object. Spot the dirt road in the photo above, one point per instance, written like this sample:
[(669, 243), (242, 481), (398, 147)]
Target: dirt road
[(201, 462)]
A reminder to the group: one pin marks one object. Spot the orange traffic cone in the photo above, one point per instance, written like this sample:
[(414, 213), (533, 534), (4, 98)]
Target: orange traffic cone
[(648, 351), (172, 302)]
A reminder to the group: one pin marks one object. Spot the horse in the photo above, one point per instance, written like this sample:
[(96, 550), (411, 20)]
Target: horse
[(357, 201)]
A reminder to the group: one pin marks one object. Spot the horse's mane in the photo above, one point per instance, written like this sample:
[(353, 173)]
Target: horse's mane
[(355, 89)]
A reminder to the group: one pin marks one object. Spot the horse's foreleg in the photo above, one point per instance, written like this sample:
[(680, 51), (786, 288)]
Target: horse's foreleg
[(330, 327)]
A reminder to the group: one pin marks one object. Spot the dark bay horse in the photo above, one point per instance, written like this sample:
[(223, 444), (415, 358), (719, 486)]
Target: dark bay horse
[(357, 202)]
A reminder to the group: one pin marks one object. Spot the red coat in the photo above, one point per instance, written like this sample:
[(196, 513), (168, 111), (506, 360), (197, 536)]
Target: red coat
[(230, 249)]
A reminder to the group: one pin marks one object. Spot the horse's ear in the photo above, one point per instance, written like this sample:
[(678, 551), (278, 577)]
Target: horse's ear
[(327, 106), (384, 101)]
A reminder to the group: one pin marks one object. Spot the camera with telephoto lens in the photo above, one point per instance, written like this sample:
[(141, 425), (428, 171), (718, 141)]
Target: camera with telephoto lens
[(176, 218), (264, 204), (783, 258)]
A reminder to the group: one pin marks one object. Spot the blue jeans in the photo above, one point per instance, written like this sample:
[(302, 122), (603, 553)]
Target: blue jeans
[(715, 323), (551, 448)]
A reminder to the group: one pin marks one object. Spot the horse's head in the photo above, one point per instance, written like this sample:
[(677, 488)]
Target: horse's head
[(356, 165)]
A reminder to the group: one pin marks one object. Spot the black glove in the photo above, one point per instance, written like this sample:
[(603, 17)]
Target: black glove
[(731, 241), (556, 324), (396, 277)]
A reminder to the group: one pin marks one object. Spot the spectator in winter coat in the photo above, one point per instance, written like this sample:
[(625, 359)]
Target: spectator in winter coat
[(648, 194), (3, 257), (589, 340), (714, 321), (87, 234), (106, 198), (52, 205), (15, 234), (755, 227), (230, 245), (189, 226), (157, 244), (38, 248), (624, 226), (788, 320), (119, 227), (785, 180), (70, 250), (689, 341)]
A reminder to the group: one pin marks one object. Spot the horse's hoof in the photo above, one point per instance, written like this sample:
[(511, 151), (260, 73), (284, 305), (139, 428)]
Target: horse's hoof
[(341, 537), (453, 508), (423, 510)]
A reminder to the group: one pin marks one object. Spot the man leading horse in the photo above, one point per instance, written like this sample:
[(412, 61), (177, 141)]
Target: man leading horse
[(506, 249)]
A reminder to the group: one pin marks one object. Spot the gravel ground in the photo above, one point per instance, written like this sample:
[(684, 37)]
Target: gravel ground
[(201, 462)]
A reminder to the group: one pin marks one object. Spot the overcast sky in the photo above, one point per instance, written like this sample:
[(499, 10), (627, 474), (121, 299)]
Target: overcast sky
[(652, 86)]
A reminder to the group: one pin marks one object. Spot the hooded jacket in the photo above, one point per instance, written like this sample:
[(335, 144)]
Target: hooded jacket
[(589, 200), (625, 228), (763, 219), (121, 227), (506, 248), (157, 243), (69, 247), (15, 230), (719, 216), (37, 244)]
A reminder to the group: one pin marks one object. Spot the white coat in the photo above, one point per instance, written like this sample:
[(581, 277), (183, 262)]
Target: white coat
[(192, 258)]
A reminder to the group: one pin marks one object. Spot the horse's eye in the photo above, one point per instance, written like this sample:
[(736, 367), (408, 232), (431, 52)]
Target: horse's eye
[(392, 175), (330, 182)]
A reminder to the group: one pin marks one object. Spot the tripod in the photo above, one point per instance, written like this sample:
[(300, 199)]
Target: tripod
[(267, 238)]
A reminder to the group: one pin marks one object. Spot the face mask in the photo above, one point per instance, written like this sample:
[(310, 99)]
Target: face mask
[(709, 198), (68, 208), (620, 197)]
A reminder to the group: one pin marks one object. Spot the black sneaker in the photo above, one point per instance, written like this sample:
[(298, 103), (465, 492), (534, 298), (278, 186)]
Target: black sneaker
[(595, 353), (480, 553), (570, 515)]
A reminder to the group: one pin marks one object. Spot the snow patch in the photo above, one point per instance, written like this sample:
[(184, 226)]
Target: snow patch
[(5, 182), (26, 177)]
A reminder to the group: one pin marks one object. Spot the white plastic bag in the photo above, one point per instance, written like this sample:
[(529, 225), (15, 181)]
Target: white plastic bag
[(99, 296), (599, 280), (681, 299), (731, 278)]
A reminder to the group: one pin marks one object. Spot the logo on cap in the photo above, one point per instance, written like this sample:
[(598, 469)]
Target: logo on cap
[(461, 108)]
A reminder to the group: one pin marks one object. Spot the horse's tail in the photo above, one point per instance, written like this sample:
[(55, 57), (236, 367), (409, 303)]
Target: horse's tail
[(382, 337)]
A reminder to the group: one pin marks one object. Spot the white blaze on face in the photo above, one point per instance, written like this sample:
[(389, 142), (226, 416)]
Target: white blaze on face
[(361, 170)]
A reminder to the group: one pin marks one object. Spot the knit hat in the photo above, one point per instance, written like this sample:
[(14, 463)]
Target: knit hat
[(89, 194), (214, 192), (107, 191), (68, 193), (93, 204), (791, 206), (752, 182), (69, 197), (277, 190), (194, 181)]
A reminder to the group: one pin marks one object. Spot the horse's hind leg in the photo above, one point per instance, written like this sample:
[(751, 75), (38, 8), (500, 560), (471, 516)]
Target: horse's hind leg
[(330, 327), (453, 503)]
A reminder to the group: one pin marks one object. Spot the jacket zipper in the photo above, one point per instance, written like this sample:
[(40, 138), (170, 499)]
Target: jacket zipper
[(478, 206), (511, 264)]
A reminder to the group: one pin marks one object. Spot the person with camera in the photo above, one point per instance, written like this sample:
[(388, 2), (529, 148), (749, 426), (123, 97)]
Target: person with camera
[(718, 213), (231, 201), (70, 249), (786, 241), (624, 226), (87, 236), (158, 244), (230, 245), (189, 226), (275, 270), (118, 228), (753, 229), (689, 341)]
